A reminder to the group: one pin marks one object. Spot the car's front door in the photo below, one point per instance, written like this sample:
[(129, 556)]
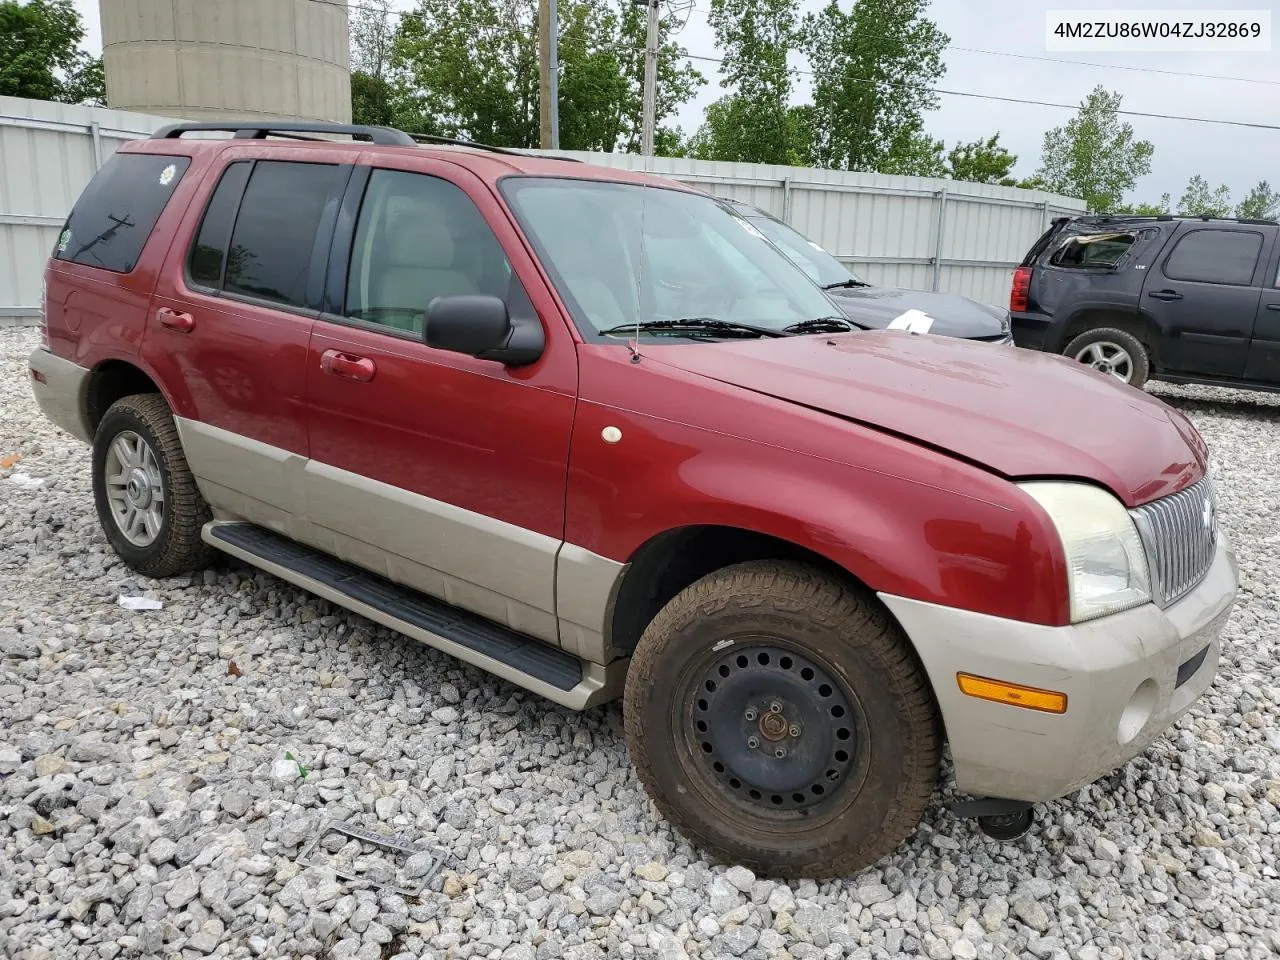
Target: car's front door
[(1203, 295), (1263, 365), (436, 469)]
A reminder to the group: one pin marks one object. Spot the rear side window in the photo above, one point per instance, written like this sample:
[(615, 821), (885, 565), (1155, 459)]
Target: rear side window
[(1215, 256), (209, 254), (115, 215), (1098, 250), (261, 246)]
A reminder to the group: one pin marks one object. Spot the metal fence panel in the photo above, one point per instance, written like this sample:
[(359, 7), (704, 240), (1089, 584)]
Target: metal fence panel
[(915, 232)]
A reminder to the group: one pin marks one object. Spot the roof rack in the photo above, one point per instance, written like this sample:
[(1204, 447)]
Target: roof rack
[(1163, 217), (296, 130), (299, 130)]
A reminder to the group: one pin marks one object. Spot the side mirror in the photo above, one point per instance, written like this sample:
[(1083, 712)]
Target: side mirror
[(481, 327)]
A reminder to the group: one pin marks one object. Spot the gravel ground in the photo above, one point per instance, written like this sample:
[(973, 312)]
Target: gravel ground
[(161, 771)]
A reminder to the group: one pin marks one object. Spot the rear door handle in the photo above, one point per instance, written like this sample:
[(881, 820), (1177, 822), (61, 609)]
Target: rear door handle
[(182, 322), (1273, 306), (1165, 294), (339, 364)]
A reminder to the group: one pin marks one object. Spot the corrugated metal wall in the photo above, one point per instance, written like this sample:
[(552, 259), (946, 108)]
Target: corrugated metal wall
[(898, 231), (48, 152)]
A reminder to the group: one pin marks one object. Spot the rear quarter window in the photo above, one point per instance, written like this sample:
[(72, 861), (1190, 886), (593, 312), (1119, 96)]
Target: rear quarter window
[(111, 222), (1094, 251)]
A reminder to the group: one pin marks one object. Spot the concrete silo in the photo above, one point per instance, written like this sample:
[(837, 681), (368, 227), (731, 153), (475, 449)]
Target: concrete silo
[(228, 59)]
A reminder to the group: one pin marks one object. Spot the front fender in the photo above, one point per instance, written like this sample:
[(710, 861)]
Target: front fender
[(901, 518)]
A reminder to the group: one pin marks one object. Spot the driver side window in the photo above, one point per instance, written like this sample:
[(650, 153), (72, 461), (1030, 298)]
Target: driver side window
[(419, 237)]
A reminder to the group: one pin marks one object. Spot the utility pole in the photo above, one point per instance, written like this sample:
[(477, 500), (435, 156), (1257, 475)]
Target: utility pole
[(650, 107), (553, 22), (545, 27)]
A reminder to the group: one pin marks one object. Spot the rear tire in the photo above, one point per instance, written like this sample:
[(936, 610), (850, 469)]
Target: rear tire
[(779, 719), (1115, 352), (148, 503)]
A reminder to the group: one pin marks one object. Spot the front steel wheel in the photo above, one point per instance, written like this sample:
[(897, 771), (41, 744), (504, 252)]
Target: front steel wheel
[(778, 718)]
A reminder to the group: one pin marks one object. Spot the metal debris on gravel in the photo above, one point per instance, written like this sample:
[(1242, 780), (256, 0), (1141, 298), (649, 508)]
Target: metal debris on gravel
[(161, 772)]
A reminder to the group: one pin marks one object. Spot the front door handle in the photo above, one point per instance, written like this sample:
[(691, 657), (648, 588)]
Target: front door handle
[(182, 322), (1273, 306), (339, 364), (1165, 294)]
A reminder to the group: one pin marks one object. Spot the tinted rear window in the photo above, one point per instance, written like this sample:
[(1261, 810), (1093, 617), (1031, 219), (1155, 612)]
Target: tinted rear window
[(275, 232), (210, 250), (119, 208)]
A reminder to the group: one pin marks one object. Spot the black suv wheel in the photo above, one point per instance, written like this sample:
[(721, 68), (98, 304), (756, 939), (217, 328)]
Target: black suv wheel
[(1113, 352)]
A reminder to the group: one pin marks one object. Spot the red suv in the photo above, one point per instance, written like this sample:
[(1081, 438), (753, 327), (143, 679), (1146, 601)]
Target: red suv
[(540, 416)]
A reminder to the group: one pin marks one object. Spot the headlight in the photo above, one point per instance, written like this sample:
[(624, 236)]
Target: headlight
[(1106, 564)]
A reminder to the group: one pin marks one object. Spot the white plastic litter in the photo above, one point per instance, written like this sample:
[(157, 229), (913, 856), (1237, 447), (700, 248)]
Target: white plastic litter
[(25, 480), (140, 603)]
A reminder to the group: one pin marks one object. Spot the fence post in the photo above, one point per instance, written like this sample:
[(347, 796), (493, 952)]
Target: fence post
[(95, 131), (937, 244), (1044, 210), (786, 200)]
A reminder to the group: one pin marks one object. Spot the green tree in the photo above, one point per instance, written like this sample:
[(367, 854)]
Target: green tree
[(1261, 203), (1199, 201), (982, 161), (1094, 156), (753, 121), (373, 90), (40, 55), (874, 69), (469, 68), (1161, 209)]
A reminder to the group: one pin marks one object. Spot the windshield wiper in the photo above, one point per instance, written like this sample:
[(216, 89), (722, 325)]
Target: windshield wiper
[(712, 324), (851, 282), (824, 325)]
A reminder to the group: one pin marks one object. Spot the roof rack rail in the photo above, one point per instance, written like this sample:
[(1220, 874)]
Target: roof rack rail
[(475, 145), (293, 129), (1164, 217)]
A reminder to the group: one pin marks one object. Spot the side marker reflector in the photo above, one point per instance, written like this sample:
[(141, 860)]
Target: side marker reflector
[(1013, 694)]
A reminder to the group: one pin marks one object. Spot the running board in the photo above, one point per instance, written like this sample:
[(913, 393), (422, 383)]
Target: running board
[(524, 661)]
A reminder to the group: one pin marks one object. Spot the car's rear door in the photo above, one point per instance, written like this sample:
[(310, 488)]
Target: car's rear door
[(231, 321), (1203, 293), (1263, 365), (439, 470)]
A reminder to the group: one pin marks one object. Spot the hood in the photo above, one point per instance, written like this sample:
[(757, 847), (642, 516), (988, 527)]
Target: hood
[(953, 316), (1020, 413)]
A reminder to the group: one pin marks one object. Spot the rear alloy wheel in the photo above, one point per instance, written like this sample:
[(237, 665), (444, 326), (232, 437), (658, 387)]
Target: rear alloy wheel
[(780, 720), (148, 504), (1114, 352)]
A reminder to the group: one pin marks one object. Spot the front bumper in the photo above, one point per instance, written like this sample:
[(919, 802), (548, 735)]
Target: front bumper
[(1120, 674), (60, 387)]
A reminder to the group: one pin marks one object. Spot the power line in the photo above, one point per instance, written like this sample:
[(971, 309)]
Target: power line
[(1035, 103)]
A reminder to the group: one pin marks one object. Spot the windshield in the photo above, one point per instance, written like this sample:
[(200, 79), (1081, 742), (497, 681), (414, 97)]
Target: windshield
[(811, 258), (621, 254)]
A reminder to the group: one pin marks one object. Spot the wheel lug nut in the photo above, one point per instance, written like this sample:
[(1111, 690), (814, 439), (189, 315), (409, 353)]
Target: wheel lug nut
[(779, 753), (775, 707), (752, 742), (750, 714), (794, 730)]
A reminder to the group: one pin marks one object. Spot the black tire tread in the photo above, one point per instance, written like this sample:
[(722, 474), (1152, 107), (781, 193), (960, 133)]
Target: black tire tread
[(790, 587), (1137, 349), (186, 512)]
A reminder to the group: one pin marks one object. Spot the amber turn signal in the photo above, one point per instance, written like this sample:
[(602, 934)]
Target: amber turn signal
[(1014, 694)]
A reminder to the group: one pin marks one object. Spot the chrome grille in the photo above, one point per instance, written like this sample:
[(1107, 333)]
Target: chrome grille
[(1180, 535)]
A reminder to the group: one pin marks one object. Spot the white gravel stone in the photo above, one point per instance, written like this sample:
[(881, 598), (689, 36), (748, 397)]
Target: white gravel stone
[(150, 809)]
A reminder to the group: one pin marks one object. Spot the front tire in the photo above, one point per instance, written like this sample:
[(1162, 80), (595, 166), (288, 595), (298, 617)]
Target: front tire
[(1115, 352), (148, 503), (780, 720)]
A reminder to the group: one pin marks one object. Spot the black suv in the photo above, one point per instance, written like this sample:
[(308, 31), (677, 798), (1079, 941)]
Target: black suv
[(1188, 300)]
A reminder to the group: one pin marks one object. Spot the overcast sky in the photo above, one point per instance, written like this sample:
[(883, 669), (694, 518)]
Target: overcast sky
[(1235, 156)]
